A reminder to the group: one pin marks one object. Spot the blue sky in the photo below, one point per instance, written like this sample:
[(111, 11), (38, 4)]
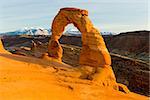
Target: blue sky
[(106, 15)]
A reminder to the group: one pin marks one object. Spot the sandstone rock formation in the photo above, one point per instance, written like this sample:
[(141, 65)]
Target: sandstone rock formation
[(1, 46), (2, 49), (31, 78), (125, 69), (34, 45), (55, 50), (92, 42), (94, 52)]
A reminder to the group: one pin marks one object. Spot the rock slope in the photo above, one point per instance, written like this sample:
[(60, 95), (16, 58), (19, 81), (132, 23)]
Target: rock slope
[(126, 69), (29, 78)]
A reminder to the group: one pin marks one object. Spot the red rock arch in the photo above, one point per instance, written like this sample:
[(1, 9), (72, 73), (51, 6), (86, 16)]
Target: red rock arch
[(94, 52)]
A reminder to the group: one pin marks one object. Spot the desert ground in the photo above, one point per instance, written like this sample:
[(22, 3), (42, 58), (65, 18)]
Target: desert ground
[(30, 78), (25, 75)]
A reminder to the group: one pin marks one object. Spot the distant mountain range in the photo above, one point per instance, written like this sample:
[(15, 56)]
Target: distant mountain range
[(42, 31), (29, 31)]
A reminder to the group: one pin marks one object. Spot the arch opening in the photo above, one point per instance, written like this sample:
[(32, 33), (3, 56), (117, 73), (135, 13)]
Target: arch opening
[(70, 30)]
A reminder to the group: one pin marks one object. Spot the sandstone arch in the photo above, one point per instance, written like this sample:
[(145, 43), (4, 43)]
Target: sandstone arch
[(94, 52)]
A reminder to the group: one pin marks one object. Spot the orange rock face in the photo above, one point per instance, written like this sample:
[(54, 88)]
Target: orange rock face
[(2, 50), (92, 41), (1, 45), (34, 45), (94, 52), (55, 50)]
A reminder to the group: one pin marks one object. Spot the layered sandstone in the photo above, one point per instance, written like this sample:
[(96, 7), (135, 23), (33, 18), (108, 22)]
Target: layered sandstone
[(95, 59), (92, 42), (34, 46)]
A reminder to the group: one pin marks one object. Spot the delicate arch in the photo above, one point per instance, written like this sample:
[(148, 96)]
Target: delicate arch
[(94, 52)]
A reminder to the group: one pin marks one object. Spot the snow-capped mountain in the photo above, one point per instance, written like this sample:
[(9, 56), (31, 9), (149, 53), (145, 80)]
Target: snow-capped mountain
[(42, 31), (29, 31), (74, 32)]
